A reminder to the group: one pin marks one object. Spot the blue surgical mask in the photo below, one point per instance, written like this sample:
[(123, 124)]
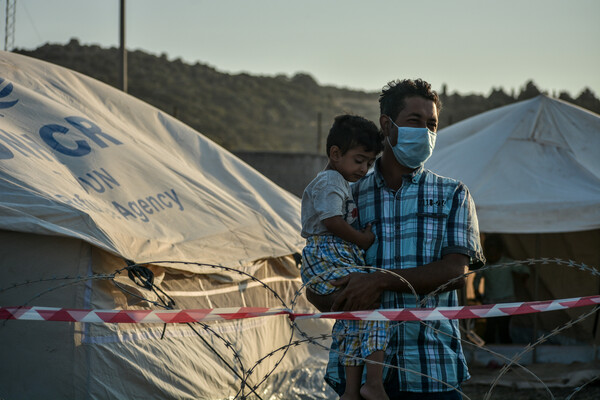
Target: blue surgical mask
[(414, 145)]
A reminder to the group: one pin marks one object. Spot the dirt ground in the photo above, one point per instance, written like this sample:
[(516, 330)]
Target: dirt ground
[(562, 382), (478, 392)]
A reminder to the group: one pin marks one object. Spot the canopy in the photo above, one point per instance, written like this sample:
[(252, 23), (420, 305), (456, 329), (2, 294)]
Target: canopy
[(532, 166), (79, 158)]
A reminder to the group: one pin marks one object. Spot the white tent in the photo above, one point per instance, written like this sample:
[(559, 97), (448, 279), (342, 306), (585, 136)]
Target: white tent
[(534, 172), (532, 166), (91, 177)]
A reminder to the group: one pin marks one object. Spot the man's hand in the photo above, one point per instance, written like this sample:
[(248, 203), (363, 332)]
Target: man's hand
[(321, 302), (358, 291)]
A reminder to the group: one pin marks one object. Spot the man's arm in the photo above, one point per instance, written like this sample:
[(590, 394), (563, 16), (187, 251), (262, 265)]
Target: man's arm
[(363, 291)]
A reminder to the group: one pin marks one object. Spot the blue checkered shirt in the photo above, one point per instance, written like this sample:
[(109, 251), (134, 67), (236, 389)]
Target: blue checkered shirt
[(428, 217)]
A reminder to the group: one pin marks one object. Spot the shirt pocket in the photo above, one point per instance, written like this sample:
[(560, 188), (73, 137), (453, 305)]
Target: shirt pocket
[(431, 228)]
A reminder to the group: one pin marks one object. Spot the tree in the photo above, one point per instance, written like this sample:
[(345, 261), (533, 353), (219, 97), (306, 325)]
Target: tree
[(529, 91), (587, 100)]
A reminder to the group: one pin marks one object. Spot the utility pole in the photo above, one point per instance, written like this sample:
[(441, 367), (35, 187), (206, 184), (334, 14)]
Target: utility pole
[(9, 26), (319, 134), (123, 50)]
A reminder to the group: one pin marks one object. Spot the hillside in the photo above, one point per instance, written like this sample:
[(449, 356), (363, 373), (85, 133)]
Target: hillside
[(245, 112)]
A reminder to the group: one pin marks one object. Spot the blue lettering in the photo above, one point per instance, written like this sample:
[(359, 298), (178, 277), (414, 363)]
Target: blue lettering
[(123, 211), (175, 198), (5, 92), (106, 178), (161, 197), (91, 130), (133, 205), (66, 200), (99, 188), (17, 144), (146, 207), (47, 134), (154, 203)]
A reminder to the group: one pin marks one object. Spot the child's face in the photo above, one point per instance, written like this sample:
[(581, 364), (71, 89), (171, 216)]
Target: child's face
[(354, 164)]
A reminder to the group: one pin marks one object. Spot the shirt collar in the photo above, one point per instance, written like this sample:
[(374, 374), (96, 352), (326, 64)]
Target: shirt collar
[(413, 177)]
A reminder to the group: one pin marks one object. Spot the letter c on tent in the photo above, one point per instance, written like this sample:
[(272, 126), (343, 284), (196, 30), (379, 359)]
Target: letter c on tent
[(47, 134), (5, 92)]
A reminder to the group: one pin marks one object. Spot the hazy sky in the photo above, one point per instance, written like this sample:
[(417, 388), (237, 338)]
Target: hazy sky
[(471, 45)]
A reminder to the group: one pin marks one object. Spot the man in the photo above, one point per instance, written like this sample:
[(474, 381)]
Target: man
[(426, 232)]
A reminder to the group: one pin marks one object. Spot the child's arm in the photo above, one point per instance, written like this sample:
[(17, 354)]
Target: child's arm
[(340, 228)]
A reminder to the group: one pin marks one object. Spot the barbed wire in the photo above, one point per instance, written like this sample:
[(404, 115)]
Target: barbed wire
[(245, 374)]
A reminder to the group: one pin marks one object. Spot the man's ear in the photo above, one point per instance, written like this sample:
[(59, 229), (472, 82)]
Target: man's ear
[(384, 123), (335, 153)]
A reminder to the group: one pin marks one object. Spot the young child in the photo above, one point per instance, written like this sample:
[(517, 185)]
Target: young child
[(335, 247)]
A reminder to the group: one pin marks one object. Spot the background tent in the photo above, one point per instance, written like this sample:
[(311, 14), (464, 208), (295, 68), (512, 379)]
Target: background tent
[(534, 172), (91, 178)]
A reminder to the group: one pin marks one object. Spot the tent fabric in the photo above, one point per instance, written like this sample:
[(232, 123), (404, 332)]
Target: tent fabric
[(124, 361), (81, 159), (534, 173), (549, 280), (91, 177), (532, 166)]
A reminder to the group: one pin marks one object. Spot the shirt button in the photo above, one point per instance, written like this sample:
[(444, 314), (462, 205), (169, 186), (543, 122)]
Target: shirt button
[(397, 258)]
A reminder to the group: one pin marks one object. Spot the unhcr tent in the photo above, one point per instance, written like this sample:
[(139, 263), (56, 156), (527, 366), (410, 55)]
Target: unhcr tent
[(93, 180), (534, 172)]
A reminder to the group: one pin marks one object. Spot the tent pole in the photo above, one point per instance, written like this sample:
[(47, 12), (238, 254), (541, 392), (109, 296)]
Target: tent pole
[(595, 330), (536, 281)]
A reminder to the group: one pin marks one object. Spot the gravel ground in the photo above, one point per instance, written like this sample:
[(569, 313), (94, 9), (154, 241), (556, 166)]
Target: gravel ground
[(478, 392), (561, 379)]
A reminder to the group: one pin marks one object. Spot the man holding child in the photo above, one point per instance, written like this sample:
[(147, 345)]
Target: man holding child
[(426, 231)]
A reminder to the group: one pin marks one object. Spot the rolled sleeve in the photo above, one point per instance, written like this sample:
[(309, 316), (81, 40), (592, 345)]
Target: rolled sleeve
[(463, 228)]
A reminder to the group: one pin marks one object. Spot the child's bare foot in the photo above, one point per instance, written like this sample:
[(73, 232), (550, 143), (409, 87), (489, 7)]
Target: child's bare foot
[(373, 391), (351, 396)]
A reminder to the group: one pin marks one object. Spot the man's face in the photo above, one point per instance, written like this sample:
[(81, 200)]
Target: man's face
[(418, 112)]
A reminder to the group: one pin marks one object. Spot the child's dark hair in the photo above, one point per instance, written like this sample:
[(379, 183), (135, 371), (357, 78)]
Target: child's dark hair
[(350, 131)]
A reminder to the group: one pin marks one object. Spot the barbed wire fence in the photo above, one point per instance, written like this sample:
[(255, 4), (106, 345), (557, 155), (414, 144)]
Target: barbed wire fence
[(143, 277)]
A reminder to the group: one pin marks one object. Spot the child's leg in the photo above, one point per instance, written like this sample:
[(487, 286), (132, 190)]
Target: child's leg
[(373, 341), (353, 382), (373, 388), (346, 333)]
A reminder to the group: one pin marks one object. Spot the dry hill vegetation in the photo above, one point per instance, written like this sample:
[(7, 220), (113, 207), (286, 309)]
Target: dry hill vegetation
[(245, 112)]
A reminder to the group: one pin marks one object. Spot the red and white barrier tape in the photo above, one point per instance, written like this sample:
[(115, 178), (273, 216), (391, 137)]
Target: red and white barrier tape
[(186, 316)]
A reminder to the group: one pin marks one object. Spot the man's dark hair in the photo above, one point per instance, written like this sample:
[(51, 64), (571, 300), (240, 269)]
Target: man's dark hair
[(393, 96), (350, 131)]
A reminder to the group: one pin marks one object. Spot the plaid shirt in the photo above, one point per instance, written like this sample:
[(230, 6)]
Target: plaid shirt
[(428, 217)]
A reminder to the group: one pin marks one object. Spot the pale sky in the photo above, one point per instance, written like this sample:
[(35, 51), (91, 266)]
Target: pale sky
[(471, 45)]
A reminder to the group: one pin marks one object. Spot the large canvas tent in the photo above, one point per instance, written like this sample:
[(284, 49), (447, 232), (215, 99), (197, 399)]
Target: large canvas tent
[(91, 180), (534, 173)]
